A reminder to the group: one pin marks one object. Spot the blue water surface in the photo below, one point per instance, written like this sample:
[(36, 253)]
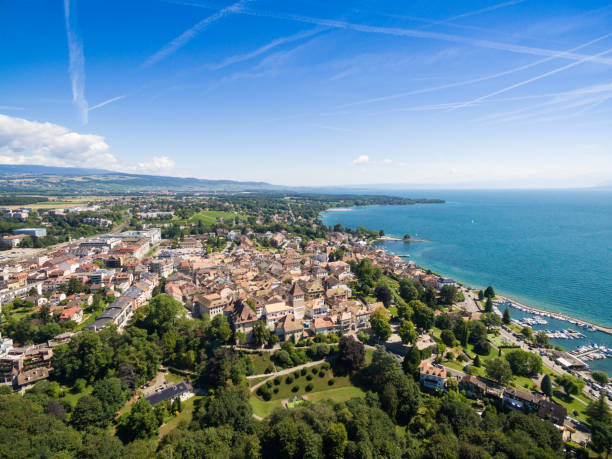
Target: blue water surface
[(550, 249)]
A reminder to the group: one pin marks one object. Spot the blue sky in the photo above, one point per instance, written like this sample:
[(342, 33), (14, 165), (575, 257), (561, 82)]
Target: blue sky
[(423, 93)]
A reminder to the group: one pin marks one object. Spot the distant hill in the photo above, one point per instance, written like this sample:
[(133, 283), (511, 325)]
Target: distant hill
[(71, 180)]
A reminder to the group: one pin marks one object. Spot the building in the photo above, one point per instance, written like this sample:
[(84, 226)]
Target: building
[(36, 232), (432, 375), (14, 240), (182, 390), (211, 305)]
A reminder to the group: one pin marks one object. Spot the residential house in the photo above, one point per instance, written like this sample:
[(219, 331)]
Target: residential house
[(432, 375)]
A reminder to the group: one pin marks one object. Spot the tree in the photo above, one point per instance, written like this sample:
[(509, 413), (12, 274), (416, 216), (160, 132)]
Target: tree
[(407, 332), (571, 384), (601, 438), (411, 362), (383, 293), (524, 363), (111, 395), (88, 412), (448, 294), (599, 411), (407, 290), (261, 333), (334, 441), (600, 377), (422, 316), (490, 319), (480, 295), (448, 337), (476, 361), (161, 313), (351, 353), (477, 331), (379, 322), (541, 339), (488, 305), (141, 422), (546, 385), (527, 332), (506, 318), (489, 292), (498, 369)]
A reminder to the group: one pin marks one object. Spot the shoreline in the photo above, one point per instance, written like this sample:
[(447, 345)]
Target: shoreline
[(531, 309), (558, 315), (554, 314)]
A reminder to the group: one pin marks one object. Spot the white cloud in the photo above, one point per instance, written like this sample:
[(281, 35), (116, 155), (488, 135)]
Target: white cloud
[(361, 159), (32, 142), (159, 164)]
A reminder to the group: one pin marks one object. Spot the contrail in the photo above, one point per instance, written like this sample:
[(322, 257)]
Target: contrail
[(479, 79), (538, 77), (403, 32), (191, 33), (273, 44), (76, 68), (106, 102)]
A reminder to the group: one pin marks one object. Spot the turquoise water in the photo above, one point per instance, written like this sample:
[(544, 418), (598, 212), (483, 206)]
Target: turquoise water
[(547, 249)]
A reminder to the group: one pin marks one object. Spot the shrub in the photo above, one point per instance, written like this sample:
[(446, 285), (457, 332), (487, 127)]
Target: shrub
[(303, 371), (325, 366), (275, 390), (309, 377), (295, 388), (267, 396), (269, 384), (277, 381), (322, 374), (331, 382), (289, 379), (296, 375), (314, 371), (309, 387), (260, 391)]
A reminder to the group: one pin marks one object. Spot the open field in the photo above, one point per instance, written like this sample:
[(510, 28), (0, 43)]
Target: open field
[(62, 203), (209, 217)]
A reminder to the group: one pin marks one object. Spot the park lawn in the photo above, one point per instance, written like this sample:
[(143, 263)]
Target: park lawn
[(174, 377), (340, 394), (263, 409), (499, 341), (369, 353), (209, 217), (260, 362), (571, 405), (186, 414), (73, 398), (320, 384), (453, 365)]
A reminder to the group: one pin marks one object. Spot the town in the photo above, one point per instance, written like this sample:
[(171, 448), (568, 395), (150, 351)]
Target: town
[(267, 281)]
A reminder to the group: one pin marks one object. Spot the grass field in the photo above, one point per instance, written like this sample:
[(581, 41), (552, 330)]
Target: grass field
[(185, 415), (319, 383), (341, 390), (209, 217), (339, 394), (73, 398), (260, 362)]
